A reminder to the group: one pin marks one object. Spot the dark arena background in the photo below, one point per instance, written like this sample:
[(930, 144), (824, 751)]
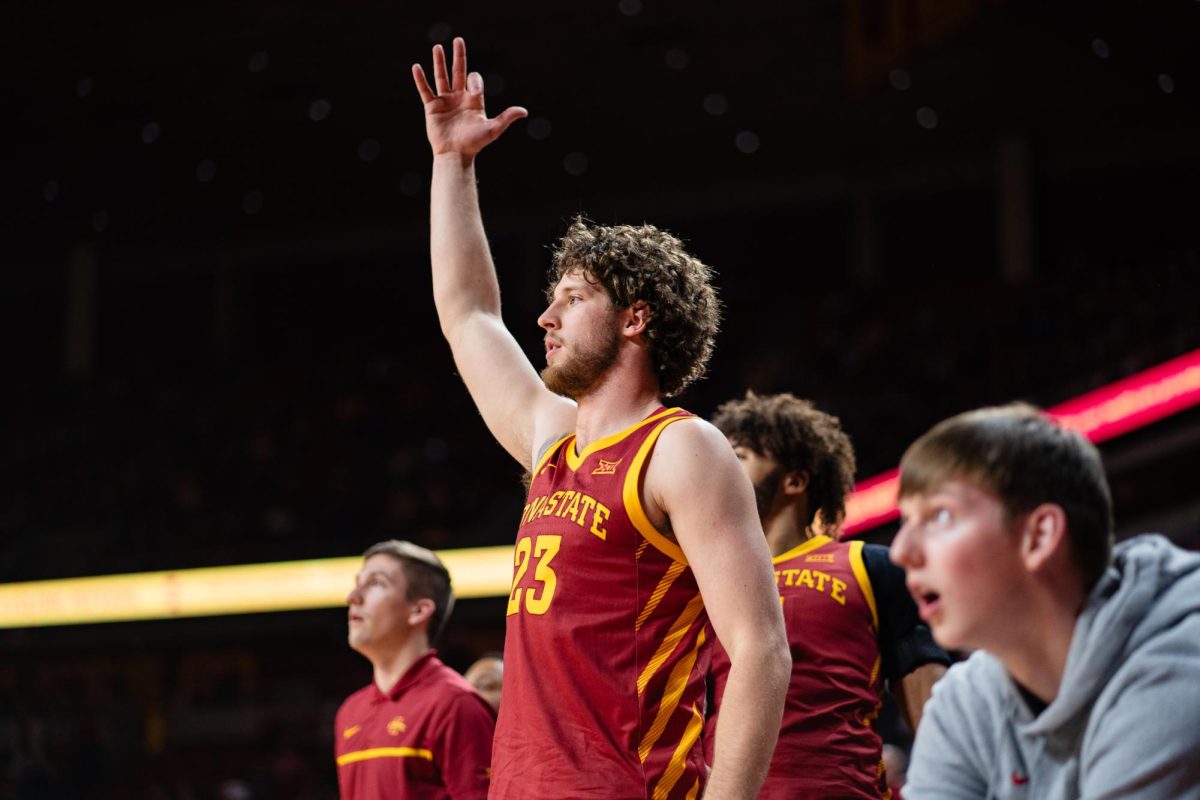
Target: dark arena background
[(220, 348)]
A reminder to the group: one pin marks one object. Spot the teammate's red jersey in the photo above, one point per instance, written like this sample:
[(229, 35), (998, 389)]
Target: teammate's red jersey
[(606, 655), (827, 746), (429, 738)]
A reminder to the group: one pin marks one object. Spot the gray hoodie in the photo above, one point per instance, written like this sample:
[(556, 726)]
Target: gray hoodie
[(1126, 722)]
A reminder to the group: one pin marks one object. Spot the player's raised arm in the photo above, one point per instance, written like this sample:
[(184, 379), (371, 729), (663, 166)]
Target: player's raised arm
[(515, 404), (695, 479)]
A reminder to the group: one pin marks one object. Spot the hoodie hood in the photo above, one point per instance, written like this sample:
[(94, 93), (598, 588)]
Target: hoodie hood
[(1150, 586)]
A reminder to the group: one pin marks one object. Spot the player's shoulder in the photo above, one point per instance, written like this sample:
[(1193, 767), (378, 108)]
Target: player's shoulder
[(876, 551), (879, 565), (690, 435), (691, 454)]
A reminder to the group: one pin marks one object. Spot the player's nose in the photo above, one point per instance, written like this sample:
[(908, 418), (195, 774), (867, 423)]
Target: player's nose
[(548, 319)]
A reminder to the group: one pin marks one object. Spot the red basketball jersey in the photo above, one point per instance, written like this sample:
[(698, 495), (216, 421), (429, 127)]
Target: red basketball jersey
[(827, 746), (605, 656)]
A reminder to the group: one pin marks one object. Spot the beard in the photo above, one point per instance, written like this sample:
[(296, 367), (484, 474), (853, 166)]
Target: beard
[(573, 377), (765, 492)]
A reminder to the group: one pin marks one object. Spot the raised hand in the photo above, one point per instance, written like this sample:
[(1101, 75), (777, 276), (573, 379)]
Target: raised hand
[(455, 119)]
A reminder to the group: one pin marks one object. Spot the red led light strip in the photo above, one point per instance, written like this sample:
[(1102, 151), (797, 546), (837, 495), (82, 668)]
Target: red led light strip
[(1102, 414)]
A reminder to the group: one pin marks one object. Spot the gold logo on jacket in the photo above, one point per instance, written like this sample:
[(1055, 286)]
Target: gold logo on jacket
[(353, 729), (607, 467), (396, 726), (823, 558)]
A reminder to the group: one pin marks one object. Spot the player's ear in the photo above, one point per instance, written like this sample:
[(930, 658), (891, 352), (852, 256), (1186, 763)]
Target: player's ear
[(637, 316), (796, 482), (1043, 535), (421, 610)]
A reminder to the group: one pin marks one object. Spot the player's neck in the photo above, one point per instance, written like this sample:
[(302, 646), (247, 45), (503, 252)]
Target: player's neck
[(785, 529), (786, 522), (391, 666), (625, 395)]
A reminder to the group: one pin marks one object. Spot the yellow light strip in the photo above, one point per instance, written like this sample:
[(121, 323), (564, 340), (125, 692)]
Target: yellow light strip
[(242, 589)]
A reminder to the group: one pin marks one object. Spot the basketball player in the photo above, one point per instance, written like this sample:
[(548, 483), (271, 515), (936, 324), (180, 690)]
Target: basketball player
[(635, 512), (1085, 680), (418, 730), (851, 624)]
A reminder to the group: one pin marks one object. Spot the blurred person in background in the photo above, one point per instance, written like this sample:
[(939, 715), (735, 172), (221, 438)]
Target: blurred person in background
[(418, 730), (1088, 658), (895, 761), (852, 626), (487, 676), (639, 526)]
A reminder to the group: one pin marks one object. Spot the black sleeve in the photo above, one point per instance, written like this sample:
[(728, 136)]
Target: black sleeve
[(905, 642)]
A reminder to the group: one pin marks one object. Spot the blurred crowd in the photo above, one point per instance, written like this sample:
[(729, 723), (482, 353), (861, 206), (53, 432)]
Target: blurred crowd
[(202, 726), (321, 450)]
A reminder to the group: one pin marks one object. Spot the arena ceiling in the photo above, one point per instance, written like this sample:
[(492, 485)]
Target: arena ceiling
[(150, 124)]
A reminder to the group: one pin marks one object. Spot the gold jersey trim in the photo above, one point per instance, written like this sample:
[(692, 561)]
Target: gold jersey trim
[(864, 581), (551, 450), (676, 684), (573, 460), (679, 760), (806, 547), (384, 752), (875, 674), (674, 571), (690, 612), (632, 495)]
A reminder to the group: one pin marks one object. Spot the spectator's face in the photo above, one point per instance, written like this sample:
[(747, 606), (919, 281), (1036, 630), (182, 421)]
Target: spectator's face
[(486, 675), (963, 563), (380, 615)]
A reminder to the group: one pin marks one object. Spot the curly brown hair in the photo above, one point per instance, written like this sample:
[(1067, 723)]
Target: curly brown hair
[(801, 438), (643, 263)]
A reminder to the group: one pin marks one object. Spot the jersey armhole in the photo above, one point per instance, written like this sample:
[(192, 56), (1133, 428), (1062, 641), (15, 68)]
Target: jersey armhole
[(632, 496), (864, 581), (551, 447)]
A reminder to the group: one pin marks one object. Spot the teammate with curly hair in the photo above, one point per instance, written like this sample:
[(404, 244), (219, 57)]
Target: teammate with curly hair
[(639, 528), (851, 623)]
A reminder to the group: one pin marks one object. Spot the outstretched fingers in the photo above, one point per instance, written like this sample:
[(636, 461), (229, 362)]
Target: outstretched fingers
[(507, 117), (422, 84), (460, 64), (440, 80)]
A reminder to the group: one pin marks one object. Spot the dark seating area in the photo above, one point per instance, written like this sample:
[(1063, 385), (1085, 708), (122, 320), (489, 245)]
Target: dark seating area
[(323, 449)]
